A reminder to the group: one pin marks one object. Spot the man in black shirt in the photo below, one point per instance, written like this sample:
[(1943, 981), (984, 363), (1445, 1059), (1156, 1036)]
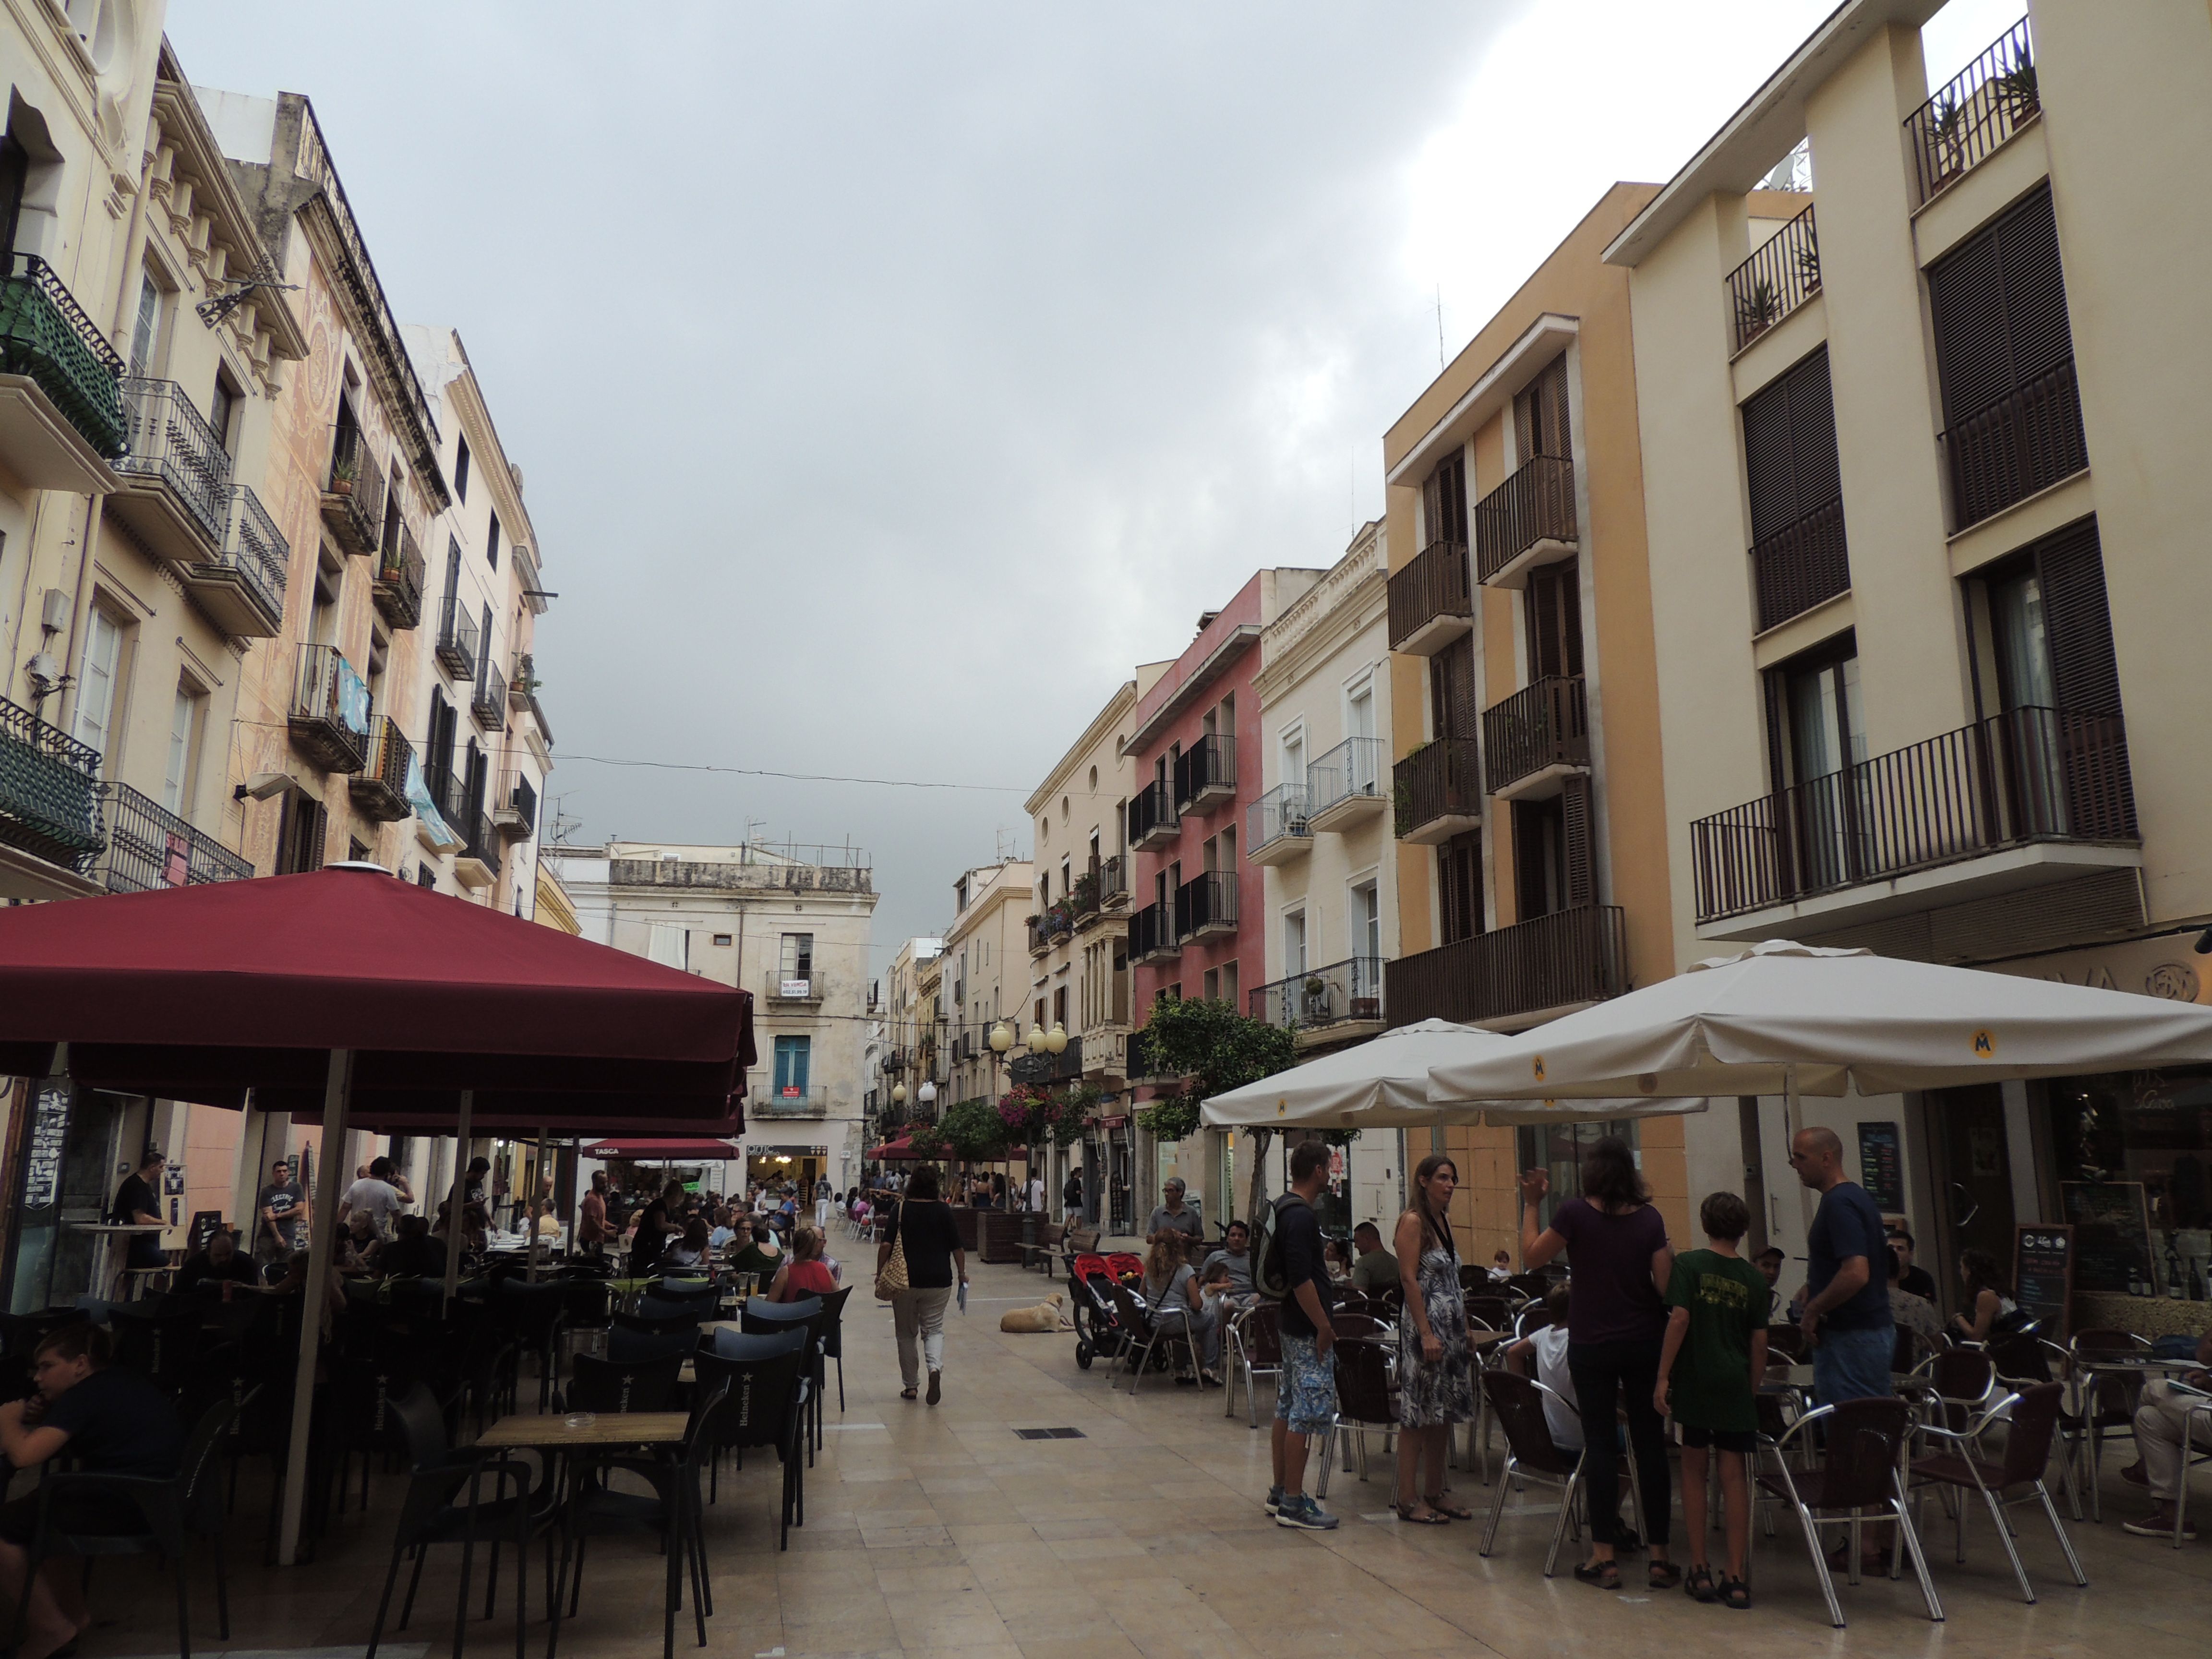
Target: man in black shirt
[(1916, 1279), (221, 1261), (114, 1422), (414, 1254), (134, 1201), (1305, 1389)]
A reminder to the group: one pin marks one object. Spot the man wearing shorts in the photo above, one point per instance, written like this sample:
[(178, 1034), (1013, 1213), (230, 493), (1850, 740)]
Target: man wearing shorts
[(1305, 1389)]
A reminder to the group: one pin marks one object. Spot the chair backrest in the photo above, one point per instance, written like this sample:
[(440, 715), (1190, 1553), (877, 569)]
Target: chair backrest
[(683, 1290), (665, 1325), (830, 1326), (707, 1409), (761, 1318), (2020, 1358), (1534, 1285), (1531, 1319), (1491, 1312), (1865, 1437), (421, 1425), (1963, 1374), (1262, 1333), (660, 1311), (588, 1301), (624, 1385), (1130, 1313), (763, 1388), (1363, 1383), (199, 1494), (1786, 1339), (627, 1347), (2034, 1422), (1519, 1403), (2103, 1340)]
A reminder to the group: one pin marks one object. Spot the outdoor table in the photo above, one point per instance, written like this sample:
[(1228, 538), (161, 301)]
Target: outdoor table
[(106, 1232), (554, 1431)]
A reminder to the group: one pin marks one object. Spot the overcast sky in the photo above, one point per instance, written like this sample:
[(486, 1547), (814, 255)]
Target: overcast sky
[(888, 379)]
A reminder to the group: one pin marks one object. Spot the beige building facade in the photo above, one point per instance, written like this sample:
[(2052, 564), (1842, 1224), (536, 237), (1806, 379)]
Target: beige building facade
[(984, 976)]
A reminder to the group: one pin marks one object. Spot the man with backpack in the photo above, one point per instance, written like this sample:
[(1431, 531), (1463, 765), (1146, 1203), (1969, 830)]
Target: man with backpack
[(1294, 1277)]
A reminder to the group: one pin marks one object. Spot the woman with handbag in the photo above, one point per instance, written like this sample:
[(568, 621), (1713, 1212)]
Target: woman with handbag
[(915, 1266)]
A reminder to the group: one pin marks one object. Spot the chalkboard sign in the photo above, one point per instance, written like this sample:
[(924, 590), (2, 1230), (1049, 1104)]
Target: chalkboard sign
[(2111, 1233), (2043, 1277), (1881, 1166)]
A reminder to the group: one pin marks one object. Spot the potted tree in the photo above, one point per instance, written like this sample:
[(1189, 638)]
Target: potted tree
[(342, 472), (1757, 310)]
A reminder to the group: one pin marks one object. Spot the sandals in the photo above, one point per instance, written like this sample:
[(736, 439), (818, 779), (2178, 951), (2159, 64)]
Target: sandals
[(909, 1394), (1664, 1575), (1435, 1517), (1737, 1593), (1606, 1575), (1700, 1584), (1451, 1512)]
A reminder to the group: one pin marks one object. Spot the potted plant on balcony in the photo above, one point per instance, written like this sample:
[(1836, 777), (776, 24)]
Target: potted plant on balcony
[(342, 472), (1947, 149), (1086, 894), (1808, 268), (2018, 89), (1757, 310)]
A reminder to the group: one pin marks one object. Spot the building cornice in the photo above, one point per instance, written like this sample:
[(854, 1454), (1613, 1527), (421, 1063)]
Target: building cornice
[(1325, 637), (1493, 389), (1094, 735)]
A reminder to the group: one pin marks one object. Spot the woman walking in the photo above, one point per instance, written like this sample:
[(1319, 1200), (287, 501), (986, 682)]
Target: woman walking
[(1616, 1327), (1436, 1373), (933, 1257)]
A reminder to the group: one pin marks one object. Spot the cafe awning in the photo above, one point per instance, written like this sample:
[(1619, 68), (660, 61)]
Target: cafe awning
[(672, 1152)]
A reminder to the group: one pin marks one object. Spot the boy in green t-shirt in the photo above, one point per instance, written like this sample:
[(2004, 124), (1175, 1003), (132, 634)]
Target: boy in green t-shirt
[(1718, 1331)]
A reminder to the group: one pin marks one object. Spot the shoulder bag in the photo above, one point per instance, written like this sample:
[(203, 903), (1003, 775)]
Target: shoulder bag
[(891, 1278)]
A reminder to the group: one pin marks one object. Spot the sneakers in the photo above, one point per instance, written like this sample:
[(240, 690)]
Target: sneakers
[(2136, 1474), (936, 1387), (1296, 1510), (2159, 1524), (1273, 1501)]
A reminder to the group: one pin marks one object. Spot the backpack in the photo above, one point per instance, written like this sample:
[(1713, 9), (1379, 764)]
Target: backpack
[(1270, 1277)]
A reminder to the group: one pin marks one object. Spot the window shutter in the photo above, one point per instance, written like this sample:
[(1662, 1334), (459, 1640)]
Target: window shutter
[(1553, 437), (1581, 847), (1451, 690), (1789, 447), (2040, 336), (1459, 886), (1553, 607), (1443, 500), (1812, 434), (1999, 308), (2077, 623)]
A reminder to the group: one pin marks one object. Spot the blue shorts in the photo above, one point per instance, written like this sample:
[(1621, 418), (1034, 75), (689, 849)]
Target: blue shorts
[(1305, 1388), (1852, 1364)]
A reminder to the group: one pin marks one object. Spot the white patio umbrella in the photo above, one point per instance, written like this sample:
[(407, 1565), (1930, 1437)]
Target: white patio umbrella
[(1791, 1020), (1384, 1085)]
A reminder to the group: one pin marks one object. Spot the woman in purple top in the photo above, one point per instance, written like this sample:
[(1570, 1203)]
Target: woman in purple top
[(1618, 1251)]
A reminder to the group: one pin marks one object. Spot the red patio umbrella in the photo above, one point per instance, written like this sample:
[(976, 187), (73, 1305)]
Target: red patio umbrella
[(677, 1151), (318, 991), (902, 1148)]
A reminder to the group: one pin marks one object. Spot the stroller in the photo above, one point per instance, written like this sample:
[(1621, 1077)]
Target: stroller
[(1097, 1330)]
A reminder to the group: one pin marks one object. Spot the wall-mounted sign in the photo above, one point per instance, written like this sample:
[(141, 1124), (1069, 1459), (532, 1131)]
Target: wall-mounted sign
[(1881, 1166), (42, 1167), (797, 988)]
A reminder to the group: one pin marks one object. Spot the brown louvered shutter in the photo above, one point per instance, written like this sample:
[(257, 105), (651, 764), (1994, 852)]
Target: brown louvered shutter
[(1998, 305), (1580, 838), (1553, 607), (1789, 447), (1451, 688), (1459, 886), (2077, 623), (1443, 500), (1540, 415)]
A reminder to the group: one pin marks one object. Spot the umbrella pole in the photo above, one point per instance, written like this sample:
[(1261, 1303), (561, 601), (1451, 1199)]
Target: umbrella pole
[(336, 1090), (456, 1227), (538, 1175), (1791, 1114)]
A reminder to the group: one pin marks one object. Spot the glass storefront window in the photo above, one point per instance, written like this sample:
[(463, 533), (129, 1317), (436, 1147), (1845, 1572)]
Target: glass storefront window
[(1557, 1148), (2152, 1129)]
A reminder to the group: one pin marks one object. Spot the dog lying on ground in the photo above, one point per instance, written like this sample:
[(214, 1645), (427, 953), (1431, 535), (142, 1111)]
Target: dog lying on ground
[(1045, 1317)]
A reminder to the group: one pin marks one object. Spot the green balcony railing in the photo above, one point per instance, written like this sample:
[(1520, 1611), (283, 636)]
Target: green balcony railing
[(45, 334), (49, 791)]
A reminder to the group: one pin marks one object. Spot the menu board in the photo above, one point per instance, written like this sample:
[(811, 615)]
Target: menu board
[(2111, 1233), (2043, 1277), (1881, 1166)]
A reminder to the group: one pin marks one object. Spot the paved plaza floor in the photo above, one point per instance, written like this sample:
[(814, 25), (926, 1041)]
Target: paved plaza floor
[(943, 1531)]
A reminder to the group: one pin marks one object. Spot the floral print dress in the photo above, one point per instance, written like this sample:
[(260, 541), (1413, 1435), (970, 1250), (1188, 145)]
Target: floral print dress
[(1431, 1395)]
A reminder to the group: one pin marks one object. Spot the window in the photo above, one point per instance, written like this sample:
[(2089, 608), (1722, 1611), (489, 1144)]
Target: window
[(426, 877), (1452, 700), (1365, 922), (222, 403), (1229, 975), (798, 958), (1059, 1007), (722, 940), (1359, 713), (792, 1054), (1540, 415), (1559, 1148), (1210, 985), (1553, 866), (1294, 758), (97, 686), (1444, 501), (1815, 730), (461, 470), (1799, 554), (1552, 612), (1294, 943), (146, 326), (184, 733), (491, 543), (1459, 886), (299, 838), (2052, 629)]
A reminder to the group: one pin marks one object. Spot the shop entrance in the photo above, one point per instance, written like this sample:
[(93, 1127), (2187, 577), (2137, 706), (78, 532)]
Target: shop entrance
[(1974, 1177)]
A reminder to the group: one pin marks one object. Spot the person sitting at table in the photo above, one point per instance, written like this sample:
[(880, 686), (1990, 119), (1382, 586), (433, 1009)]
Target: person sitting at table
[(414, 1254), (1501, 1267), (108, 1420), (1173, 1298), (1373, 1268), (1991, 1308), (1336, 1255), (763, 1256), (690, 1251), (1543, 1356), (2169, 1422), (1769, 1262), (1910, 1312), (135, 1204), (218, 1261), (804, 1272), (722, 1235), (1918, 1280), (358, 1245), (1233, 1261)]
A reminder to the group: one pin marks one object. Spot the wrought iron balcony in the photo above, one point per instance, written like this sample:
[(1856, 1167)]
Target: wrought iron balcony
[(330, 714), (1276, 826), (1801, 565), (516, 818), (477, 863), (1153, 820), (1114, 883), (73, 375), (2026, 441), (243, 589), (1153, 933), (1343, 993), (1537, 737), (379, 789), (353, 493), (1527, 520), (176, 475), (1558, 961), (1039, 1071), (1782, 272), (489, 706), (1205, 905), (49, 803), (1431, 600), (150, 847), (1205, 773), (457, 639), (1350, 782), (2025, 776), (397, 591), (787, 1102), (1439, 791), (1143, 1065), (1974, 113)]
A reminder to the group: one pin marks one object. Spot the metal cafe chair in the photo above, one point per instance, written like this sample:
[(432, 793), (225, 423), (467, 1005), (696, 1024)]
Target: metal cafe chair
[(1143, 1334), (1254, 1346), (2032, 1417), (1364, 1406), (1531, 1454), (1860, 1470)]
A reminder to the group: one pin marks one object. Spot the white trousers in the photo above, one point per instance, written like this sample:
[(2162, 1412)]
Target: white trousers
[(919, 1314), (2161, 1421)]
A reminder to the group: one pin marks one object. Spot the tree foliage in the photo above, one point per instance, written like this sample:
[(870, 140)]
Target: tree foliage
[(1213, 1049), (973, 1130)]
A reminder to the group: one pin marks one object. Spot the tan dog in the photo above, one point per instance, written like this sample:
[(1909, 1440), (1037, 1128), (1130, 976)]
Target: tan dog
[(1045, 1317)]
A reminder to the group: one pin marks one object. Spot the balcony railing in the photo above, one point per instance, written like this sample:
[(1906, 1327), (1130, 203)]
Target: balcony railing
[(457, 639), (150, 847), (1205, 773), (1278, 820), (400, 576), (1143, 1065), (1341, 993), (2026, 441), (330, 714), (49, 791), (353, 493), (787, 1102), (1535, 505), (1432, 599), (1782, 273), (173, 445), (517, 816), (489, 704), (1356, 772), (243, 588), (1980, 107), (1040, 1070), (1153, 931), (379, 789), (2027, 776), (1153, 819), (1567, 957), (1438, 784), (1802, 565), (1542, 729), (482, 847), (1206, 905), (45, 336), (1114, 883)]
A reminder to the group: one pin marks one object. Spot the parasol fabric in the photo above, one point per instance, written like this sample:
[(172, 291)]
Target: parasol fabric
[(902, 1148), (679, 1152)]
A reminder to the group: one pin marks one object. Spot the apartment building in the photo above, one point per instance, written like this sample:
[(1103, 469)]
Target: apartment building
[(1925, 489), (1528, 795), (1078, 937), (1196, 900), (984, 974), (909, 1023), (1321, 835)]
